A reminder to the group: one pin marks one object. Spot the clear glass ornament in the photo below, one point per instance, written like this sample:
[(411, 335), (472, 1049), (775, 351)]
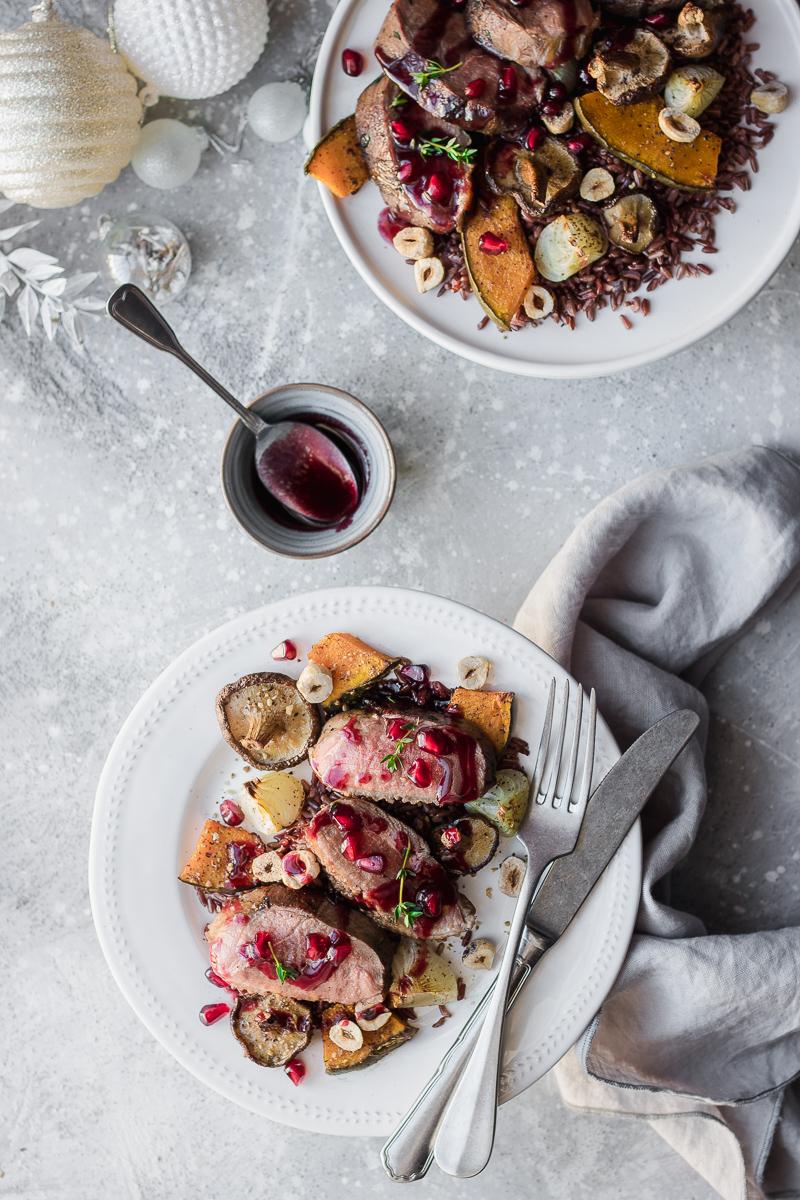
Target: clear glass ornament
[(147, 250)]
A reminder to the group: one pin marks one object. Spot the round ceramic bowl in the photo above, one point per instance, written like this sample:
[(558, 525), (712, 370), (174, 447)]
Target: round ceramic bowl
[(359, 432)]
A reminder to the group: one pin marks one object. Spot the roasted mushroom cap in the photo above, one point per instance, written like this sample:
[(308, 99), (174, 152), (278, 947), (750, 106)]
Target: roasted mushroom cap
[(264, 718), (697, 32), (630, 71), (632, 222), (271, 1029), (536, 178), (468, 844)]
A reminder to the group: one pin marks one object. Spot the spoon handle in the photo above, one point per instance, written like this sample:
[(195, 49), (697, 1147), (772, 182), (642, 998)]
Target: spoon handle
[(132, 309)]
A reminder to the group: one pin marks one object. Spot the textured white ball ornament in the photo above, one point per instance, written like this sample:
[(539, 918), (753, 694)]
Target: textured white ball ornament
[(191, 49), (276, 111), (168, 153), (69, 113)]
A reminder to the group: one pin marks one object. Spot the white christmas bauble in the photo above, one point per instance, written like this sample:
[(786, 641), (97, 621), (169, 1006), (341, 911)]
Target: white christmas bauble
[(69, 113), (168, 153), (276, 111), (191, 49)]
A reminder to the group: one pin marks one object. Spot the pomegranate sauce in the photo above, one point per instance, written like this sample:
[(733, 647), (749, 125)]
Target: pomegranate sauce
[(310, 475)]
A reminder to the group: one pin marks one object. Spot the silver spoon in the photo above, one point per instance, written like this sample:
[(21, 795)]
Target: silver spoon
[(298, 464)]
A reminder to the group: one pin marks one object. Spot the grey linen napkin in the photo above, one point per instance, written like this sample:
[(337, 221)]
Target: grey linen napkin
[(701, 1033)]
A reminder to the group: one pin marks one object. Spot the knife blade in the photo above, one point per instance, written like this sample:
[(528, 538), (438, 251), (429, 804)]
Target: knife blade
[(408, 1153), (612, 809)]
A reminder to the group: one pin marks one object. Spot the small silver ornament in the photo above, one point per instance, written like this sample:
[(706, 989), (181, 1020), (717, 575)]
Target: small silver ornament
[(146, 250)]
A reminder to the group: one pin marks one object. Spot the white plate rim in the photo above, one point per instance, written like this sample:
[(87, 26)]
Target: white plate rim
[(737, 300), (527, 1065)]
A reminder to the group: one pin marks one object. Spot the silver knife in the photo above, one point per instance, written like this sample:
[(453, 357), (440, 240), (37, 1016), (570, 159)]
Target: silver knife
[(612, 809)]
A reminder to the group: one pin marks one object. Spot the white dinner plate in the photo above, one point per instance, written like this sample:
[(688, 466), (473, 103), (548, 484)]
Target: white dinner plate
[(752, 242), (166, 773)]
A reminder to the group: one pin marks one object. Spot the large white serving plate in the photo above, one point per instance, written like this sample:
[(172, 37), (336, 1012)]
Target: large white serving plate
[(752, 242), (166, 773)]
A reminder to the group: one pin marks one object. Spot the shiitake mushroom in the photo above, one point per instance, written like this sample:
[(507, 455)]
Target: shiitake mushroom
[(264, 718), (467, 845), (271, 1029), (631, 71)]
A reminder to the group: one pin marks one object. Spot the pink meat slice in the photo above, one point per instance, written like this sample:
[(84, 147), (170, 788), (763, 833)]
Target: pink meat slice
[(363, 849), (337, 954)]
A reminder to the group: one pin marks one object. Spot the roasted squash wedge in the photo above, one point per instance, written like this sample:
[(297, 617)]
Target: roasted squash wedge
[(352, 663), (632, 133), (490, 711), (222, 860), (376, 1043), (337, 160), (499, 281)]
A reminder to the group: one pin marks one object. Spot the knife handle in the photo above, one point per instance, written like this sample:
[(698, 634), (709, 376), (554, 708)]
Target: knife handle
[(408, 1153)]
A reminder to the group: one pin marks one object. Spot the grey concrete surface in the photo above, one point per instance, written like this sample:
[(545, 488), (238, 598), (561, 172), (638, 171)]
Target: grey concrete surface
[(117, 552)]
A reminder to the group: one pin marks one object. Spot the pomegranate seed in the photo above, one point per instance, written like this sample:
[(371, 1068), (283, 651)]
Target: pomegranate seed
[(397, 728), (420, 773), (413, 673), (352, 62), (520, 3), (551, 108), (401, 131), (213, 977), (581, 141), (408, 171), (285, 652), (261, 942), (430, 900), (401, 840), (293, 864), (534, 137), (373, 863), (389, 225), (475, 88), (350, 847), (435, 741), (317, 946), (507, 88), (346, 817), (211, 1013), (438, 188), (451, 836), (490, 243), (231, 813), (341, 946), (658, 19), (296, 1071), (556, 91)]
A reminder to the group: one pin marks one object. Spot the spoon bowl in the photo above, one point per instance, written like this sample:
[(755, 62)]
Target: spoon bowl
[(298, 464)]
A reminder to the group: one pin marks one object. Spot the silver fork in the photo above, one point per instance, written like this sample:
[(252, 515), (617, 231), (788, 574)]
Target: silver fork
[(549, 831)]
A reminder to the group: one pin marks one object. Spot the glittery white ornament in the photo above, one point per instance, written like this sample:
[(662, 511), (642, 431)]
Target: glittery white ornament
[(276, 111), (69, 113), (191, 49), (168, 153)]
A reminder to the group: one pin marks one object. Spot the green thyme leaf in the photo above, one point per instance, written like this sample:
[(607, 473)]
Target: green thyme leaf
[(453, 149), (432, 70)]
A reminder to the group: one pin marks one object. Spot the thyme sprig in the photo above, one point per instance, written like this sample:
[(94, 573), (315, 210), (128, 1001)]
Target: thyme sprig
[(437, 145), (406, 911), (393, 761), (400, 100), (284, 972), (433, 70)]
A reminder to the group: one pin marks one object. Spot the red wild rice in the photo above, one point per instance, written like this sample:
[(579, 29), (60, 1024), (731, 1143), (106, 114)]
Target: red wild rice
[(687, 217)]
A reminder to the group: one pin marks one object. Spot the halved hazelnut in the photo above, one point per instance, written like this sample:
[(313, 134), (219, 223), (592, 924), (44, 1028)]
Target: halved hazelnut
[(512, 873), (538, 303), (473, 671), (678, 126), (299, 868), (770, 97), (597, 184), (267, 867), (372, 1014), (315, 683), (479, 955), (413, 243), (346, 1035), (428, 274)]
